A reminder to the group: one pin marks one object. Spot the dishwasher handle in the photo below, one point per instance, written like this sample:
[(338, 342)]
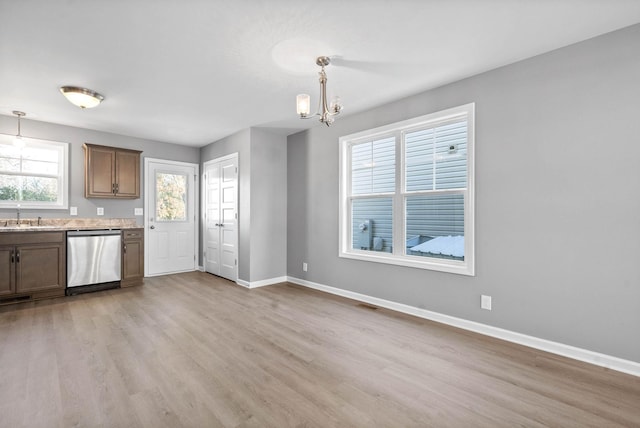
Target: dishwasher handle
[(106, 232)]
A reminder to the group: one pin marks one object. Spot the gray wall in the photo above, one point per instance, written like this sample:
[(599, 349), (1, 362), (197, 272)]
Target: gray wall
[(557, 193), (76, 137), (268, 205), (262, 213)]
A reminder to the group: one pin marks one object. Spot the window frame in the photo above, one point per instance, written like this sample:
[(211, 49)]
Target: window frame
[(398, 256), (62, 176)]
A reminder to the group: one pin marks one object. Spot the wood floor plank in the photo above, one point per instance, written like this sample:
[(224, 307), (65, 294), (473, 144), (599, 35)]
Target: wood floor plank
[(194, 350)]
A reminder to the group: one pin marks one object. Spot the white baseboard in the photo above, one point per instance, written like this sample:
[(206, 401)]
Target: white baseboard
[(262, 283), (242, 282), (603, 360)]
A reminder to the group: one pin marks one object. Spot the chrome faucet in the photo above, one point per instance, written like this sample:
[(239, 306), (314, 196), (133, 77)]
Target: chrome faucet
[(18, 214)]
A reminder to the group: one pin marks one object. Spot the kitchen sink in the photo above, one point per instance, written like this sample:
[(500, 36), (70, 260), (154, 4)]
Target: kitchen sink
[(24, 227)]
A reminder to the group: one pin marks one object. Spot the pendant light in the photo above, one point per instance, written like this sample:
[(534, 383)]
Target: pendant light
[(18, 141)]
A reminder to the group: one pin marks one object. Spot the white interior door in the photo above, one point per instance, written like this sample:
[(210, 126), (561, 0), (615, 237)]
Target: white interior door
[(170, 190), (221, 217)]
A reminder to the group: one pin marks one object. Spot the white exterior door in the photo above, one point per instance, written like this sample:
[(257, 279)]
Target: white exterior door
[(221, 217), (170, 191)]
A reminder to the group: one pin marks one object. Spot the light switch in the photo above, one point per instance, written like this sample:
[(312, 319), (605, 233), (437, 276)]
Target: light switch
[(73, 210), (138, 211), (100, 211)]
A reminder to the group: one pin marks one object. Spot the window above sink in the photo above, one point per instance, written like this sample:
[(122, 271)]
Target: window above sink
[(35, 176)]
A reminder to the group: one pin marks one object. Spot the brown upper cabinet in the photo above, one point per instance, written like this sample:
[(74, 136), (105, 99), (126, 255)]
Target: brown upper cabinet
[(111, 172)]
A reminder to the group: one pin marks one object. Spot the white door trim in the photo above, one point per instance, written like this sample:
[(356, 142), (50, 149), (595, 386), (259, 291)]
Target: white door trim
[(196, 207)]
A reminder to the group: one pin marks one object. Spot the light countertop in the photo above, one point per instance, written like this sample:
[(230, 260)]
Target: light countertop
[(64, 224)]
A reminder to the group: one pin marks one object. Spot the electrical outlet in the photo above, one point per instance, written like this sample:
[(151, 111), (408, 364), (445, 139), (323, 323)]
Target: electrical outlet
[(100, 211), (138, 211), (73, 210), (485, 302), (304, 266)]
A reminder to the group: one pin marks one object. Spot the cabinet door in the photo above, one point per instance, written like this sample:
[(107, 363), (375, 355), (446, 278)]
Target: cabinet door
[(40, 267), (99, 172), (7, 272), (132, 258), (127, 174), (132, 266)]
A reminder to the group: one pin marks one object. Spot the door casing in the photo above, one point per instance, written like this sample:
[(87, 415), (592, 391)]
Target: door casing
[(149, 192)]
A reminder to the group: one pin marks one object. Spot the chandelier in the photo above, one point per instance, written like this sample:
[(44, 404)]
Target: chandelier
[(326, 112)]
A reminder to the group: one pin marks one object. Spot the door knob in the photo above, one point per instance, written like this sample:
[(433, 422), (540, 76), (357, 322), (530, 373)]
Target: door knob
[(152, 227)]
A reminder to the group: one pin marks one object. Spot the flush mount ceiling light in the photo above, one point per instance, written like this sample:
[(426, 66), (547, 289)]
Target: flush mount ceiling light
[(82, 97), (326, 113), (18, 141)]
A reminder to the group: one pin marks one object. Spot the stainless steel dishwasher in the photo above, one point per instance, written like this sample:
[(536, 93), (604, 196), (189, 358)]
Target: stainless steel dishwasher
[(93, 260)]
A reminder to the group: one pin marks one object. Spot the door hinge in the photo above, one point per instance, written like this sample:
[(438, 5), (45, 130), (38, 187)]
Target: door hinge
[(236, 170), (236, 216), (236, 262)]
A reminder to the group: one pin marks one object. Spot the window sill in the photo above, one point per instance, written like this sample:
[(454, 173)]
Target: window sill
[(439, 265)]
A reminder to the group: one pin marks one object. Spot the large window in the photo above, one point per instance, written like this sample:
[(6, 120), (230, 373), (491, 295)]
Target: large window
[(34, 176), (406, 192)]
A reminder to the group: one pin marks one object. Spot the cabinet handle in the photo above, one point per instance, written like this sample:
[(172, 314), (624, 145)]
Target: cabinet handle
[(113, 188), (17, 256), (117, 187), (125, 248), (13, 257)]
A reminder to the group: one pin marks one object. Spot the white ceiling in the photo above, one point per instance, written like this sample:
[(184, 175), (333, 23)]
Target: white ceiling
[(193, 71)]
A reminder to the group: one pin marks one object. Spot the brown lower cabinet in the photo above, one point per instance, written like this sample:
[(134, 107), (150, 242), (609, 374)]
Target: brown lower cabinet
[(132, 257), (32, 265)]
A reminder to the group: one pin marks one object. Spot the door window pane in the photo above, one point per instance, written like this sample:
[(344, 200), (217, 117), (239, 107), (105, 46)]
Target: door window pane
[(171, 197)]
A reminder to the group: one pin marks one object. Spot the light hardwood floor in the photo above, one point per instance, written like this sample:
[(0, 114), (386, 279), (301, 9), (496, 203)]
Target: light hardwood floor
[(193, 350)]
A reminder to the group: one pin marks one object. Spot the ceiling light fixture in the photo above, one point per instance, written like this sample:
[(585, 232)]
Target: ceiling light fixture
[(18, 141), (82, 97), (326, 113)]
